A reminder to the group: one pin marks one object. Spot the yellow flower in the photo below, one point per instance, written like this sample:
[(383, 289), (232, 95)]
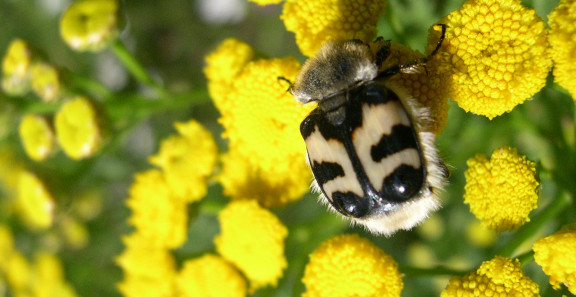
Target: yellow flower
[(48, 277), (6, 246), (35, 204), (252, 238), (497, 277), (428, 88), (348, 265), (316, 21), (156, 213), (562, 38), (17, 271), (265, 2), (45, 81), (557, 256), (74, 233), (502, 190), (77, 128), (37, 137), (479, 235), (90, 25), (16, 68), (266, 158), (187, 160), (494, 56), (149, 270), (210, 276), (222, 67)]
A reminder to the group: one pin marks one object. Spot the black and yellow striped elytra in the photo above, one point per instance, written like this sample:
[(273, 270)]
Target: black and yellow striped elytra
[(384, 165)]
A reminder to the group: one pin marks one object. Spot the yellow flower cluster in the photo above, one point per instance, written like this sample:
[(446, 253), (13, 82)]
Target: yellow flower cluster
[(502, 190), (210, 276), (34, 203), (497, 277), (252, 238), (495, 55), (187, 160), (46, 81), (266, 154), (348, 265), (16, 68), (90, 25), (562, 38), (316, 21), (78, 128), (37, 137), (42, 277), (557, 256)]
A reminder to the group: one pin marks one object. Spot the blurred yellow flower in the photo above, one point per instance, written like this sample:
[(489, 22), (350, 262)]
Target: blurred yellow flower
[(316, 21), (157, 214), (210, 276), (222, 67), (74, 232), (479, 235), (266, 158), (149, 270), (16, 68), (562, 38), (265, 2), (90, 25), (47, 277), (494, 56), (348, 265), (17, 271), (187, 160), (497, 277), (423, 84), (10, 167), (45, 81), (557, 256), (502, 190), (252, 238), (36, 136), (6, 246), (77, 128), (35, 204)]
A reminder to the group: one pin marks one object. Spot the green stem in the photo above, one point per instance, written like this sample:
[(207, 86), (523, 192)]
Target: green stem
[(435, 271), (134, 67), (528, 230), (87, 84), (526, 258)]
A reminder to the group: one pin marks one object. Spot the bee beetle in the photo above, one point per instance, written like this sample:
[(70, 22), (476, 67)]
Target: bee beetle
[(371, 159)]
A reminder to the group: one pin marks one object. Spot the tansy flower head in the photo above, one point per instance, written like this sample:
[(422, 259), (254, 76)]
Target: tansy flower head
[(495, 55), (502, 190), (210, 276), (149, 270), (37, 137), (261, 120), (562, 38), (187, 160), (35, 204), (557, 256), (45, 81), (90, 25), (316, 21), (252, 238), (348, 265), (158, 214), (16, 68), (497, 277), (78, 129), (47, 277)]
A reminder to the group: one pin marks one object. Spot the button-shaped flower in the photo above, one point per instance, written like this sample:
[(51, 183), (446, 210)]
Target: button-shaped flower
[(90, 25), (316, 21), (16, 68), (187, 160), (252, 238), (562, 38), (36, 136), (210, 276), (157, 213), (266, 153), (502, 190), (77, 128), (495, 55), (348, 265), (557, 256), (45, 81), (497, 277), (35, 204)]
